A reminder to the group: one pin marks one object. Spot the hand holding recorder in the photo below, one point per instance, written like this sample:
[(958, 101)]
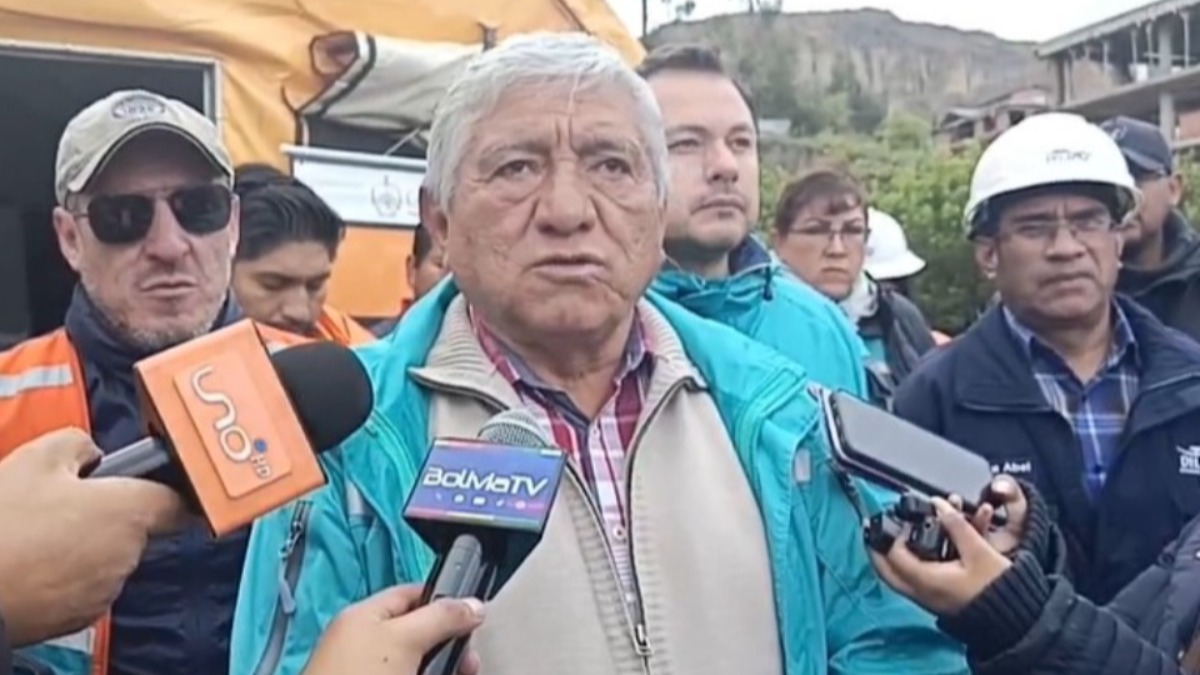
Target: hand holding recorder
[(69, 544), (878, 447)]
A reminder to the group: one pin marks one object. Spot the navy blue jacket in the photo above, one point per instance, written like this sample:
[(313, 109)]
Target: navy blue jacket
[(979, 392), (1031, 622), (175, 613)]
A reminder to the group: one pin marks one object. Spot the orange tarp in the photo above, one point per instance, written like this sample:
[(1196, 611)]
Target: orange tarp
[(263, 48)]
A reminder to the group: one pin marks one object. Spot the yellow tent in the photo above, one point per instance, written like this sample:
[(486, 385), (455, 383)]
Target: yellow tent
[(265, 54)]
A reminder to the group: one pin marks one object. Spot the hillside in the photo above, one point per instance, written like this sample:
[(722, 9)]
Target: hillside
[(921, 68)]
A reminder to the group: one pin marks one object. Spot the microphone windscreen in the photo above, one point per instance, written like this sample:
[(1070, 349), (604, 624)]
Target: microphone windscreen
[(517, 427), (329, 390)]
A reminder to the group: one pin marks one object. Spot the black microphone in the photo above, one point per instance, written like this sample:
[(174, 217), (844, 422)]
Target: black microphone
[(482, 505), (236, 431)]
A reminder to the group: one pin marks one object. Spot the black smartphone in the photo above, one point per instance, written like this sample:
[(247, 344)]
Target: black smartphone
[(877, 446)]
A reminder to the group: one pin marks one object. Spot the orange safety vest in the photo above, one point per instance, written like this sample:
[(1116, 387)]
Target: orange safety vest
[(339, 328), (42, 389)]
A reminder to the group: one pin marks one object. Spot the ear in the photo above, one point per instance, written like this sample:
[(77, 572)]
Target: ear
[(987, 257), (1176, 186), (70, 239), (235, 225), (433, 219), (410, 271)]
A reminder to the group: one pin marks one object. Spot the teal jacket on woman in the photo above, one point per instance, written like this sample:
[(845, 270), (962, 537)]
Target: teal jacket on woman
[(765, 302), (313, 558)]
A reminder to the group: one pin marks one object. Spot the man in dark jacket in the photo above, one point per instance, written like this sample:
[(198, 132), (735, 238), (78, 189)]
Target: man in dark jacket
[(1162, 251), (1084, 394), (1017, 614), (148, 220)]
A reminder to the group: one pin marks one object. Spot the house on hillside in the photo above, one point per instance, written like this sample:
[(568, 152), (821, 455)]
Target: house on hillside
[(985, 121), (1150, 60)]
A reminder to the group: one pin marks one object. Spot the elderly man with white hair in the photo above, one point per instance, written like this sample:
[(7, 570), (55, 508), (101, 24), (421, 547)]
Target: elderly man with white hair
[(700, 528)]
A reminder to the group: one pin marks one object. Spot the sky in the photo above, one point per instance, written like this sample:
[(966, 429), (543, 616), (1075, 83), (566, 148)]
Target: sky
[(1031, 20)]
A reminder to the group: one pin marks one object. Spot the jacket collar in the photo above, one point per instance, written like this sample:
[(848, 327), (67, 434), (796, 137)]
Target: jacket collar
[(1000, 376), (457, 361), (750, 280)]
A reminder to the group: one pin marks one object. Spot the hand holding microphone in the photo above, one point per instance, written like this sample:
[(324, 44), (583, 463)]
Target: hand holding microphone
[(389, 633), (68, 544)]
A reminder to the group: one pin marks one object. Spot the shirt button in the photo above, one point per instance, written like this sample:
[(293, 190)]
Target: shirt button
[(618, 533)]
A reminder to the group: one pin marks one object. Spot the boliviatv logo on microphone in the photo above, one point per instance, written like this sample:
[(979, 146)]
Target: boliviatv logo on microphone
[(516, 486), (487, 484)]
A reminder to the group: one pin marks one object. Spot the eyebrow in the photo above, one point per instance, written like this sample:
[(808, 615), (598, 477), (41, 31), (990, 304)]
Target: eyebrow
[(741, 127), (1052, 214), (591, 147), (489, 155)]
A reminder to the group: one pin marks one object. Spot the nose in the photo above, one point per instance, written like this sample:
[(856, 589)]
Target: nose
[(1065, 243), (565, 204), (297, 308), (166, 240), (836, 248), (721, 163)]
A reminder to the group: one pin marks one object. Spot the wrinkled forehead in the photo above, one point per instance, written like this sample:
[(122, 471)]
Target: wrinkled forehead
[(561, 114)]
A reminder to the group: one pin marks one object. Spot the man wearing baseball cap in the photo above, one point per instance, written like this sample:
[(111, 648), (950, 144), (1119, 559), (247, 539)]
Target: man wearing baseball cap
[(147, 218), (1162, 252)]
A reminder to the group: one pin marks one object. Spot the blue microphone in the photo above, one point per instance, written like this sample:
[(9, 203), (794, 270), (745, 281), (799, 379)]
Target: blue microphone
[(482, 505)]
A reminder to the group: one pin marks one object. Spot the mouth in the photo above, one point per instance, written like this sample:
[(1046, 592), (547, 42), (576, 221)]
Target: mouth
[(169, 287), (570, 265), (835, 271), (568, 260), (724, 202), (1067, 278)]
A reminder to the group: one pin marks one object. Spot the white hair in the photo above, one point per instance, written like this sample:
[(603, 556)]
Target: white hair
[(573, 59)]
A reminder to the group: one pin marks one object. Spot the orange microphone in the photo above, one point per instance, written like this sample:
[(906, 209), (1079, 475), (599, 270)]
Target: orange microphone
[(236, 430)]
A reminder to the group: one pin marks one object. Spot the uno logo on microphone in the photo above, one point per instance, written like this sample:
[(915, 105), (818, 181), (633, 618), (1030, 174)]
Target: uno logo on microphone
[(235, 442), (233, 423)]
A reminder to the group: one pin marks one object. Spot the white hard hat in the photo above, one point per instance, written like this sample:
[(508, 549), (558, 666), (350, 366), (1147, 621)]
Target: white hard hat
[(1048, 149), (888, 255)]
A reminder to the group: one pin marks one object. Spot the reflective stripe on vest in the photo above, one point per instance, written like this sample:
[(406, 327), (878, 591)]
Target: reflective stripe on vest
[(42, 390), (40, 377)]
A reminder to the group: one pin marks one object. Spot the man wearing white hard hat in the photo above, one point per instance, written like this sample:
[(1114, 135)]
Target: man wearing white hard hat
[(1063, 382)]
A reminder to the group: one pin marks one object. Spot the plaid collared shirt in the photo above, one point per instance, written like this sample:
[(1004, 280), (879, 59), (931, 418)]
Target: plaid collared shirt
[(1096, 409), (597, 447)]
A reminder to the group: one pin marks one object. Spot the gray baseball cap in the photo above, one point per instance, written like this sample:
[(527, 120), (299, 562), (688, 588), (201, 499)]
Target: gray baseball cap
[(97, 132)]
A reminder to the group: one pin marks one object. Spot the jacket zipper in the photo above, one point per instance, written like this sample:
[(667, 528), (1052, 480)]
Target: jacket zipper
[(641, 637), (292, 558)]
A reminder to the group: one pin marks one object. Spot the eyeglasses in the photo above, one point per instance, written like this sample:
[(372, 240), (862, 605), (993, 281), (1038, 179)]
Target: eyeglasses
[(1045, 231), (127, 218), (848, 233)]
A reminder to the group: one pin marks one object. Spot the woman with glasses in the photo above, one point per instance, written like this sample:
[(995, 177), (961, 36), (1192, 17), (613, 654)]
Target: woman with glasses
[(821, 231)]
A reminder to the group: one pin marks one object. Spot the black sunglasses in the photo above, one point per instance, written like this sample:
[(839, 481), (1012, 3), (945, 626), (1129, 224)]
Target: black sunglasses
[(125, 219)]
